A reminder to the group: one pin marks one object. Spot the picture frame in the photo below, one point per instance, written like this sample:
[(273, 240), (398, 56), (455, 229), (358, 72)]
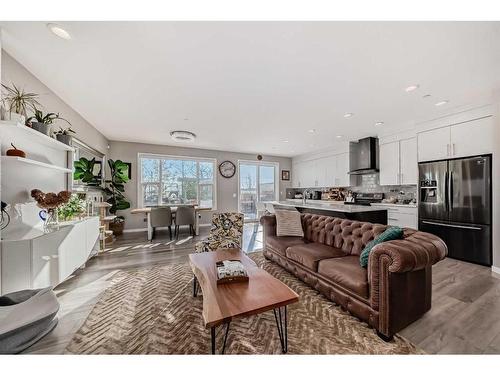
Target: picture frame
[(285, 175)]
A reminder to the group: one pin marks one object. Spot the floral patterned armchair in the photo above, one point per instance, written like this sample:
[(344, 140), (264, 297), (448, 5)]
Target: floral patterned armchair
[(226, 232)]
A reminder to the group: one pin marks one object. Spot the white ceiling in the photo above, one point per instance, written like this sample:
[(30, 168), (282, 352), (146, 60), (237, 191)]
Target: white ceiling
[(248, 86)]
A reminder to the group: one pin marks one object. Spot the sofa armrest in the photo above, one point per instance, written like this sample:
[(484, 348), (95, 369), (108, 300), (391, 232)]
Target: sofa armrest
[(416, 251), (268, 225)]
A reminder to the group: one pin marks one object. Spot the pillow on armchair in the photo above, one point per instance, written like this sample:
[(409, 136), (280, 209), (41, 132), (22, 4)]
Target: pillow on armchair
[(391, 233), (288, 223)]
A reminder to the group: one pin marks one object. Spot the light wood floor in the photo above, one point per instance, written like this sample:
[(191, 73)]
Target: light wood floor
[(465, 304)]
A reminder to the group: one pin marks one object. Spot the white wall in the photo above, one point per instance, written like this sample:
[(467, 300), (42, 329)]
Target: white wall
[(227, 189), (13, 72)]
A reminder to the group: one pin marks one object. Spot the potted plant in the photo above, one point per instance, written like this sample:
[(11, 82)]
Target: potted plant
[(114, 189), (74, 207), (64, 136), (84, 171), (41, 122), (17, 102)]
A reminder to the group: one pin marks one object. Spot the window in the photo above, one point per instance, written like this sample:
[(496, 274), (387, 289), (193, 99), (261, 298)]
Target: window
[(173, 180)]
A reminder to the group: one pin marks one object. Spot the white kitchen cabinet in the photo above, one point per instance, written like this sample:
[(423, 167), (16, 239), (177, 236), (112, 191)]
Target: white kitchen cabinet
[(460, 140), (434, 144), (398, 162), (331, 170), (389, 163), (401, 216), (408, 163), (343, 179), (472, 138)]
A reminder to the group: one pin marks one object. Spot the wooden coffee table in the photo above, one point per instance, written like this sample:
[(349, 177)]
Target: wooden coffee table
[(222, 303)]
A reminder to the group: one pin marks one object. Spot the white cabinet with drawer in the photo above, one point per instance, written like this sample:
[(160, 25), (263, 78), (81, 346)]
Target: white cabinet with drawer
[(400, 215)]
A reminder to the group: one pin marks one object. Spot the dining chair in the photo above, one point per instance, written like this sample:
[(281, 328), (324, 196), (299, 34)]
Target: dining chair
[(161, 217), (226, 232), (184, 216)]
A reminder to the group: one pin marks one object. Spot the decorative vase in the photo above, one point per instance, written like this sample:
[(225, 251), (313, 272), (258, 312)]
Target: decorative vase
[(41, 127), (64, 138), (51, 223), (13, 116)]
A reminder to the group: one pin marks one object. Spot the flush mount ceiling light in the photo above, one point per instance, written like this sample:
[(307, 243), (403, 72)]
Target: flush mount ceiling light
[(182, 136), (59, 31), (348, 114), (411, 88), (442, 102), (338, 136), (379, 123)]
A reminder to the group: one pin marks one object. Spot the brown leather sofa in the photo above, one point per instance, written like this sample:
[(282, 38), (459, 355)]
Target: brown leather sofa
[(395, 289)]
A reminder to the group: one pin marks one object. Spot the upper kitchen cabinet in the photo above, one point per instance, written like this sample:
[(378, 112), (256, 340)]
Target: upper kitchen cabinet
[(389, 163), (408, 161), (472, 138), (342, 179), (398, 162), (469, 138), (434, 144)]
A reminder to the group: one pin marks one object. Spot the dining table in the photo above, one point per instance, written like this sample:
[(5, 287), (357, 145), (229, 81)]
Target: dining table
[(147, 212)]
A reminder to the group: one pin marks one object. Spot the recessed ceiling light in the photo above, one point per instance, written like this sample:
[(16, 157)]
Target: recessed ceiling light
[(182, 136), (379, 123), (59, 31), (285, 140), (348, 114), (338, 136), (312, 131), (426, 96), (411, 88), (439, 104)]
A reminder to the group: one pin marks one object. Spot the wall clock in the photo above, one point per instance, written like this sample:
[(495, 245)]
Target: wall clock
[(227, 169)]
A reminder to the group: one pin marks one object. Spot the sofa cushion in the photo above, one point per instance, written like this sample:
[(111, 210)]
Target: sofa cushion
[(288, 223), (391, 233), (310, 254), (347, 273), (280, 244)]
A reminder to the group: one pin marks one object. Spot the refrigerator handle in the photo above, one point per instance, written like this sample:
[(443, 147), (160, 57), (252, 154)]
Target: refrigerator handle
[(450, 193), (446, 202)]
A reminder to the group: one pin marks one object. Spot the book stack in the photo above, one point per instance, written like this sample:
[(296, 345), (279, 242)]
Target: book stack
[(230, 271)]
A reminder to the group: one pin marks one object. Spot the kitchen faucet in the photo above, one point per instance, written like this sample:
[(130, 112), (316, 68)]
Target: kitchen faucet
[(304, 196)]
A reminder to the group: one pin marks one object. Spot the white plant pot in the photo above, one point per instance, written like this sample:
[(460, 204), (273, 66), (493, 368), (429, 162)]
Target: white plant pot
[(16, 117)]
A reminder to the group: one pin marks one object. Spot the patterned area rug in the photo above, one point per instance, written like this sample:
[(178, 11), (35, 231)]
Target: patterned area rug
[(152, 311)]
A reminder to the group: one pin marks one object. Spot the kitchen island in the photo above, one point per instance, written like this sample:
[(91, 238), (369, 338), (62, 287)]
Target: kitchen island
[(369, 214)]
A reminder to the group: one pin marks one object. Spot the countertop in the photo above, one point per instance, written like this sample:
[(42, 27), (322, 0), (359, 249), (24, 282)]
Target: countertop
[(329, 206), (341, 203)]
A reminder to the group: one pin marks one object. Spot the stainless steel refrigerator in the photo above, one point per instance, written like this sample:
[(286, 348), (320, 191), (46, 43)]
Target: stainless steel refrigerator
[(455, 204)]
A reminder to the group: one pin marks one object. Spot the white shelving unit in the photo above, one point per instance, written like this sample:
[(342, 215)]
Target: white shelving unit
[(16, 130), (16, 159)]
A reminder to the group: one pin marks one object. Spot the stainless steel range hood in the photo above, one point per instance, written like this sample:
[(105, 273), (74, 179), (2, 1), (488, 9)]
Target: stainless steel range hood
[(363, 156)]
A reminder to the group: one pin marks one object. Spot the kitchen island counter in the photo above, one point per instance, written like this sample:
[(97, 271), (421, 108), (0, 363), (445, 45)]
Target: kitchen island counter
[(345, 211)]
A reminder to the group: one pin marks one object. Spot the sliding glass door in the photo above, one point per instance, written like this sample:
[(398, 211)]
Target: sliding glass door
[(258, 182)]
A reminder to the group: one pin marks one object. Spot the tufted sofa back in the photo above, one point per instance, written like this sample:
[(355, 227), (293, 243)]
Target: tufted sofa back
[(350, 236)]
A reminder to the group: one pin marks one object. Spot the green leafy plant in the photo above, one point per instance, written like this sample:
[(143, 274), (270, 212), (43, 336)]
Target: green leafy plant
[(74, 207), (66, 131), (18, 101), (47, 119), (115, 187), (84, 171)]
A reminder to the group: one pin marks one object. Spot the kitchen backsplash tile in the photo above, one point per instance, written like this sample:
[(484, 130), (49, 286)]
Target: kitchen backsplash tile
[(369, 183)]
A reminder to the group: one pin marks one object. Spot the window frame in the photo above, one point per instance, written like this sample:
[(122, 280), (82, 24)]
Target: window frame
[(140, 184)]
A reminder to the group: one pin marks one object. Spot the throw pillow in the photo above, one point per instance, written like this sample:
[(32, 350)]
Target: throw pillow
[(391, 233), (288, 223)]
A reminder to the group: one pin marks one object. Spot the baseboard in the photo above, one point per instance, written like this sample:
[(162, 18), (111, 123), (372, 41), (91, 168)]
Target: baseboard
[(495, 270)]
